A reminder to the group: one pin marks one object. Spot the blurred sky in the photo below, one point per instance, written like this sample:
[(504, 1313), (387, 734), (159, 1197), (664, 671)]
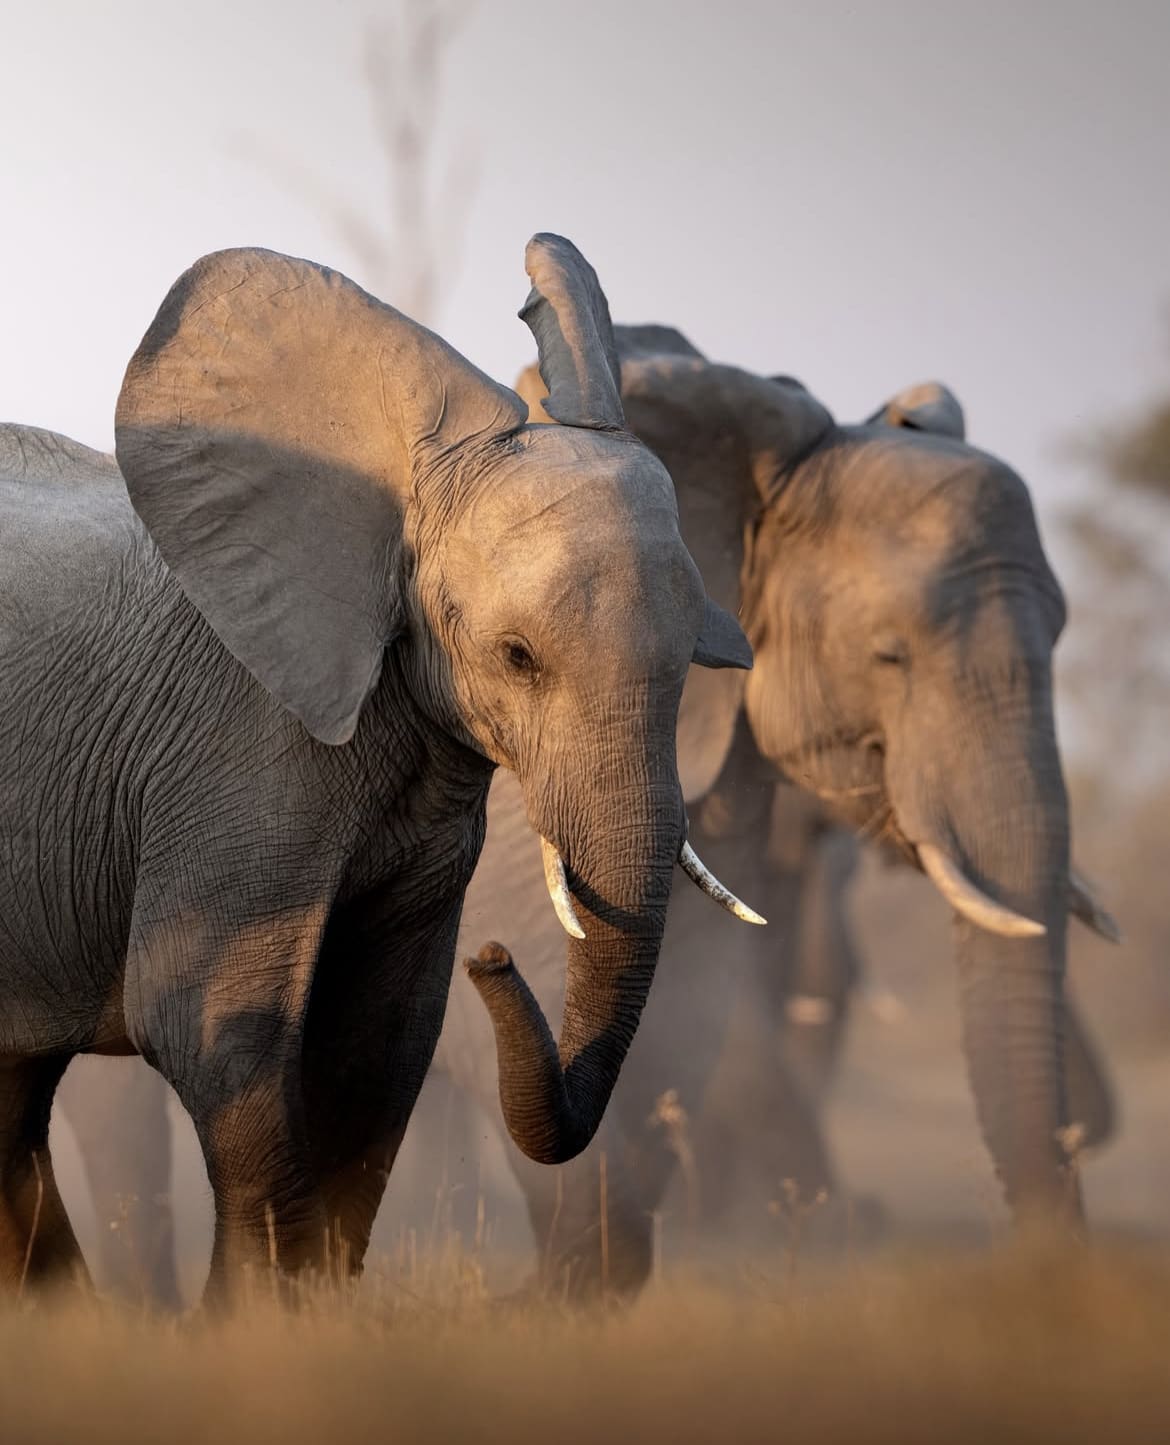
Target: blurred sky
[(861, 194)]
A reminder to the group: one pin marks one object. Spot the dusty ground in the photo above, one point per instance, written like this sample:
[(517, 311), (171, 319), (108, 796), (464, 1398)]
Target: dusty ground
[(1057, 1345)]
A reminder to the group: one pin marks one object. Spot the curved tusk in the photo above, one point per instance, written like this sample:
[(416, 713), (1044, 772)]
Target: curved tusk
[(698, 872), (972, 902), (1084, 904), (558, 889)]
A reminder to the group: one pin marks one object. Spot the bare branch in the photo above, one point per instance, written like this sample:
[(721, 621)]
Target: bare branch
[(408, 255)]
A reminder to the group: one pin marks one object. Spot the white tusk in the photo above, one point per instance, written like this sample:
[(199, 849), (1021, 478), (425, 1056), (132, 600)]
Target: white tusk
[(558, 889), (970, 901), (698, 872), (1084, 904)]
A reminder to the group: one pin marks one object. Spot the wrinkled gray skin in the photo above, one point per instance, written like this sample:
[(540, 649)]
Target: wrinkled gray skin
[(254, 690), (860, 538)]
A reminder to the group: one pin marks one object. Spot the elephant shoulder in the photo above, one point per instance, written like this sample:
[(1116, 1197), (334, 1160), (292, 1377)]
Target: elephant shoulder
[(31, 454), (67, 529)]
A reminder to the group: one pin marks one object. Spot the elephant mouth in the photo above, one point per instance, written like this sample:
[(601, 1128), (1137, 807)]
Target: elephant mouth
[(557, 882)]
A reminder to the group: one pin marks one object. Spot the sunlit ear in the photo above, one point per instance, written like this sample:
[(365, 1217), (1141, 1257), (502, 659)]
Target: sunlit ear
[(721, 642), (269, 429)]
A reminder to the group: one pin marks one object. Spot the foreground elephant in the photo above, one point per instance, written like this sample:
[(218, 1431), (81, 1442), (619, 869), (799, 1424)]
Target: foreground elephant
[(250, 715)]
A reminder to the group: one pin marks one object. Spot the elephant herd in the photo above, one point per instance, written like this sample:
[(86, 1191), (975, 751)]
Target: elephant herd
[(343, 612)]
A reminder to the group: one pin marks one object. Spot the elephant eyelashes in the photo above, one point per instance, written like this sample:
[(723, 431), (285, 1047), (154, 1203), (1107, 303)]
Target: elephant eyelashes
[(891, 652), (519, 658)]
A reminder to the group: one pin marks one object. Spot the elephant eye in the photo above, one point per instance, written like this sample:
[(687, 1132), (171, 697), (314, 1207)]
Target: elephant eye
[(519, 658), (891, 652)]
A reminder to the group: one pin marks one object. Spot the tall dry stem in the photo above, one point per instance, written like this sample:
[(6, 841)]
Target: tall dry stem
[(36, 1224)]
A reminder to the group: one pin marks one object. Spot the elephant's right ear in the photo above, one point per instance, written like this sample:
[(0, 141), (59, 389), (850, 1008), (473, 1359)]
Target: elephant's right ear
[(929, 407), (268, 428), (568, 314)]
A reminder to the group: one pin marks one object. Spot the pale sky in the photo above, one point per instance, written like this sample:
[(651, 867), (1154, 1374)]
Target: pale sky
[(863, 194)]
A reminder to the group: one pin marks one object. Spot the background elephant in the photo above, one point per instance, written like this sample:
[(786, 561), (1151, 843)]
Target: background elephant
[(903, 612), (244, 753)]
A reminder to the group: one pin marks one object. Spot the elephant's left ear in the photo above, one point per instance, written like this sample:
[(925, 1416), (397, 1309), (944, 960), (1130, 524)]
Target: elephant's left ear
[(721, 642), (929, 407), (568, 314)]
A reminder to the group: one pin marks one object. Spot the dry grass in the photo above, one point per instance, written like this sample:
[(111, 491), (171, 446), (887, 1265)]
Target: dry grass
[(1056, 1344)]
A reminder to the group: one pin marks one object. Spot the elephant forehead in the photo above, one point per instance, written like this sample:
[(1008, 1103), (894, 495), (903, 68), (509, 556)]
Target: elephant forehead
[(933, 485), (572, 467), (557, 494), (575, 526)]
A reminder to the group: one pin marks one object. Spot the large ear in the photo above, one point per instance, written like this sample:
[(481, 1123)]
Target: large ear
[(706, 725), (650, 339), (269, 429), (929, 407), (726, 437), (568, 314)]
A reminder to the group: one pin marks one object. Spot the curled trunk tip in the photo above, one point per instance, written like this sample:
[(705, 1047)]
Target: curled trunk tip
[(491, 958)]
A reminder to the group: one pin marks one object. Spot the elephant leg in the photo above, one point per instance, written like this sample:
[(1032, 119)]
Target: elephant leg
[(756, 1127), (807, 988), (593, 1218), (760, 1121), (117, 1109), (374, 1020), (219, 1005), (37, 1244)]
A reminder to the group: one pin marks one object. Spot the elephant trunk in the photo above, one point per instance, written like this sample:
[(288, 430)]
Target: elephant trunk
[(999, 814), (554, 1094)]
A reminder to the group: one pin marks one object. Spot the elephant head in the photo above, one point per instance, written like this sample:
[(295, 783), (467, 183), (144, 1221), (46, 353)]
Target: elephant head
[(369, 522), (903, 614)]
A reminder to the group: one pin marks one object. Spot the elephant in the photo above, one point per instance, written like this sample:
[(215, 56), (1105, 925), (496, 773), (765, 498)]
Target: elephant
[(259, 671), (903, 616), (822, 536)]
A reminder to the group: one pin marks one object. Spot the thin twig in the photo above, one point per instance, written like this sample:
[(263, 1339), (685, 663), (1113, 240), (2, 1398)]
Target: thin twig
[(556, 1218), (604, 1182), (36, 1222)]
